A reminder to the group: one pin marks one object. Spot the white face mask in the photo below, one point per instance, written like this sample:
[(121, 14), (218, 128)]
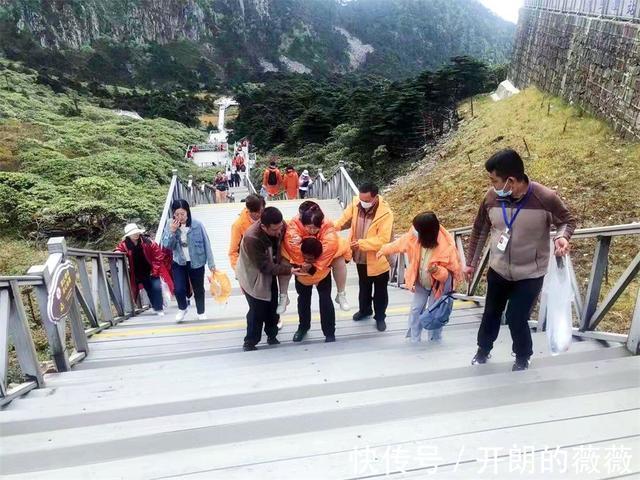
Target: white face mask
[(415, 233), (366, 205)]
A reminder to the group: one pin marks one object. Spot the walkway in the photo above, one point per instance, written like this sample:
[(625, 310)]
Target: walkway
[(159, 400)]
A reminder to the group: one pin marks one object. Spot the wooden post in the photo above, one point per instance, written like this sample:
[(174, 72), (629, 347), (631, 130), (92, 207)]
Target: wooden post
[(623, 282), (22, 340), (526, 146), (117, 286), (600, 260), (633, 342), (55, 333), (103, 291)]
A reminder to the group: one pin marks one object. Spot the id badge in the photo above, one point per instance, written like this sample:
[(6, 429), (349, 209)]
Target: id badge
[(503, 241)]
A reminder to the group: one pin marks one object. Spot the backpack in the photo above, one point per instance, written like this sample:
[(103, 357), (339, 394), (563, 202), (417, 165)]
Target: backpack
[(436, 315), (272, 179)]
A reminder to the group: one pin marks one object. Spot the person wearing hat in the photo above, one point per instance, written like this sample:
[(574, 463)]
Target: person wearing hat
[(303, 183), (146, 265)]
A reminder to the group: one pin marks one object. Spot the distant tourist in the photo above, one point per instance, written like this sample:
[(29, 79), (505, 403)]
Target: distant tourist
[(221, 185), (191, 249), (517, 216), (290, 183), (259, 265), (433, 258), (303, 183), (370, 220), (272, 179), (147, 266)]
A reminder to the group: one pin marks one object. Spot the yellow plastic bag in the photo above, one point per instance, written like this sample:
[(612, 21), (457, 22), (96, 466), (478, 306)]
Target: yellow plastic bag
[(220, 286)]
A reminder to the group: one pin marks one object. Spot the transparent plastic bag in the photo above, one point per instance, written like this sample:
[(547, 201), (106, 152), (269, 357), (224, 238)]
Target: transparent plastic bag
[(559, 295), (166, 293)]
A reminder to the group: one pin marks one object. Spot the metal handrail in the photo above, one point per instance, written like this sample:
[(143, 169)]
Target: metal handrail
[(191, 192), (589, 309), (339, 186), (102, 287)]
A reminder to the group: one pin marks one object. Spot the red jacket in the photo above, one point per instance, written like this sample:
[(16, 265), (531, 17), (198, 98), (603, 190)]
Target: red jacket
[(156, 258)]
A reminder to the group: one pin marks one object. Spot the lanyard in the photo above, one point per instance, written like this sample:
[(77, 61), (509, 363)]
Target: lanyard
[(509, 223)]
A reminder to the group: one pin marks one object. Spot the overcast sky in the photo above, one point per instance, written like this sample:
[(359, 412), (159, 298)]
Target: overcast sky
[(507, 9)]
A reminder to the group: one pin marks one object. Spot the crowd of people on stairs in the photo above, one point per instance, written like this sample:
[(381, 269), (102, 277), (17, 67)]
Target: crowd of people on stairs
[(293, 185), (265, 251)]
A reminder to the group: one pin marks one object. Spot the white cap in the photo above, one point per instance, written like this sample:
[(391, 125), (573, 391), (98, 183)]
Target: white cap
[(132, 229), (305, 172)]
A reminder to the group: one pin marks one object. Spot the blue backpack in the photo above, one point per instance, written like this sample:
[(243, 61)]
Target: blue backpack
[(437, 313)]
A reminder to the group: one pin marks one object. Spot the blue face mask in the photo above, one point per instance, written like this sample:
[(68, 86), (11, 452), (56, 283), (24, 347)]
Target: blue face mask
[(502, 192)]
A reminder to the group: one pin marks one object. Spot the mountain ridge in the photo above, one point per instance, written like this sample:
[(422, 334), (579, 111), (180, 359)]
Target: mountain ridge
[(144, 41)]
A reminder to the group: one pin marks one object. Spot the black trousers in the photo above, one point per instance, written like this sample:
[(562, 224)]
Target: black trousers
[(262, 313), (521, 296), (373, 288), (327, 311)]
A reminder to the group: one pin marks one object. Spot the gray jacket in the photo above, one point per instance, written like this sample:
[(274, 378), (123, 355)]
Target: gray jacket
[(256, 267)]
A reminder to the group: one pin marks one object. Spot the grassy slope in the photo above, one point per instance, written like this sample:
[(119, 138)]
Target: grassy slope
[(595, 172), (128, 161)]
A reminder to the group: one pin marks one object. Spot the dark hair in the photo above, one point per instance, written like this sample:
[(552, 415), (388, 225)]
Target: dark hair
[(272, 163), (506, 163), (183, 204), (271, 216), (306, 205), (428, 227), (369, 187), (289, 167), (254, 203), (312, 216), (311, 246)]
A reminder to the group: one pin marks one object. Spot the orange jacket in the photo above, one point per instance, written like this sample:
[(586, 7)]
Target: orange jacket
[(290, 185), (239, 227), (379, 233), (444, 256), (333, 247), (272, 189)]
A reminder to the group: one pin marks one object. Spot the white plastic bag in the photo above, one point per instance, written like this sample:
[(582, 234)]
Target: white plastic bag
[(166, 293), (559, 294)]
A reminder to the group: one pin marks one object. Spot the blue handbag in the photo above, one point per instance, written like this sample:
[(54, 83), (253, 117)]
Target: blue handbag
[(437, 313)]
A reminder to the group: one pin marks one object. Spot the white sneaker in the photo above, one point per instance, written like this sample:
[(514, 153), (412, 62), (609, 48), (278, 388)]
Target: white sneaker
[(341, 299), (202, 316), (283, 301), (180, 315), (159, 313)]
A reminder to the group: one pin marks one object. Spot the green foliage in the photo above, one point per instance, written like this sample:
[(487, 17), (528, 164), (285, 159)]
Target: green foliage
[(81, 176), (174, 45), (369, 122)]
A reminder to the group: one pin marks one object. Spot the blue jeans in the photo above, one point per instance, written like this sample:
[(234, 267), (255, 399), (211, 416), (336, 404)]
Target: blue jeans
[(153, 287), (182, 274), (418, 304)]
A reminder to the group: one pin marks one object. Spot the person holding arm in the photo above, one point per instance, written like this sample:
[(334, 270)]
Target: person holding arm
[(259, 264), (433, 257), (370, 220)]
